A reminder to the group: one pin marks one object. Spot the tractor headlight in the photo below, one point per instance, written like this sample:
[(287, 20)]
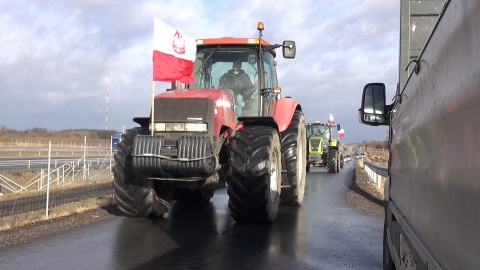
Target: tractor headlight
[(175, 127), (199, 127), (179, 127), (159, 127)]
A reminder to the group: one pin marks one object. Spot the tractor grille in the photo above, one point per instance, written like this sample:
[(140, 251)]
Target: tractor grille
[(158, 155), (198, 110), (315, 144)]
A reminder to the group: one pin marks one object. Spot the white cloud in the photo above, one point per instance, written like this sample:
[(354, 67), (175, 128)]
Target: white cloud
[(61, 52)]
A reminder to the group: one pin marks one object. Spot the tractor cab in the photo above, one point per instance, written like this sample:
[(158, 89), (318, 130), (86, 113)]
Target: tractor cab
[(234, 68), (320, 130), (245, 67)]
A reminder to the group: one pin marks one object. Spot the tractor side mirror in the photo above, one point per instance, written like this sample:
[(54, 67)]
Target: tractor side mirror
[(289, 49)]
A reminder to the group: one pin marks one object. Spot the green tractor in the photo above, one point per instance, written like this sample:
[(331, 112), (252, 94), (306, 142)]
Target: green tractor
[(323, 149)]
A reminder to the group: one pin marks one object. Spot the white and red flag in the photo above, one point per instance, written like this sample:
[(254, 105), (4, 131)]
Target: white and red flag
[(331, 120), (173, 54), (341, 133)]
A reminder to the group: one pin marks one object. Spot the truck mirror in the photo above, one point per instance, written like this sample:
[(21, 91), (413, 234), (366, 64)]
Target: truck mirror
[(372, 110), (338, 127), (289, 49)]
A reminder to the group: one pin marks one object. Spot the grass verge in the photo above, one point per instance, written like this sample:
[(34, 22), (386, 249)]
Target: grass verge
[(13, 221)]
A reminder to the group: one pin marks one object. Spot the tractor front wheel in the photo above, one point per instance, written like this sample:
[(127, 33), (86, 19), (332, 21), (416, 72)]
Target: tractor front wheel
[(332, 160), (254, 177), (338, 162), (295, 160), (134, 194)]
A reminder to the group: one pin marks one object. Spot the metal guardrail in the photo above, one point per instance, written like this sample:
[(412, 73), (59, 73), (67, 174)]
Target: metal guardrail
[(375, 172), (42, 162)]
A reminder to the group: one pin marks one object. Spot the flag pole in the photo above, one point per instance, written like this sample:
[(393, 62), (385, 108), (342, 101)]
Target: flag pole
[(153, 106)]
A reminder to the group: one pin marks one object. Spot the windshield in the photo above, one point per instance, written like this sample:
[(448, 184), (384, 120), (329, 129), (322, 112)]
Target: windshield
[(212, 63), (318, 130), (233, 69)]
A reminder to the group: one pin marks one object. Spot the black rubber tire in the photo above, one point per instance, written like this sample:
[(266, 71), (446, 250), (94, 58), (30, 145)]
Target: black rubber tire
[(254, 176), (293, 141), (308, 168), (388, 263), (342, 161), (332, 160), (134, 194), (338, 162)]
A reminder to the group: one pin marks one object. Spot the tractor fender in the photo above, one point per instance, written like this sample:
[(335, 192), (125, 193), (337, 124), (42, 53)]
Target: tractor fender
[(334, 143), (284, 112)]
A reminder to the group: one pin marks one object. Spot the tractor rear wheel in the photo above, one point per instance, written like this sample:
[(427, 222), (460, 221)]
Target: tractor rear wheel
[(134, 194), (254, 176), (332, 160), (295, 160)]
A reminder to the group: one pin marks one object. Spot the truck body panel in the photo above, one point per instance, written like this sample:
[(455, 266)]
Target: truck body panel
[(432, 192), (434, 172)]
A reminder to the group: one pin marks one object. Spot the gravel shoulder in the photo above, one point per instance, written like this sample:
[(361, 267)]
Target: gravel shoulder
[(362, 194)]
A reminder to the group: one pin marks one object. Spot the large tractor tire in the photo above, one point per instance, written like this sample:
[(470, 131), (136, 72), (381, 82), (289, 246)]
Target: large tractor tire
[(254, 176), (332, 160), (134, 194), (295, 160), (388, 263), (338, 162)]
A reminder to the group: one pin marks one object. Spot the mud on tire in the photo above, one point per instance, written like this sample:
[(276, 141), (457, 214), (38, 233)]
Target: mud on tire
[(254, 177), (134, 194), (293, 141)]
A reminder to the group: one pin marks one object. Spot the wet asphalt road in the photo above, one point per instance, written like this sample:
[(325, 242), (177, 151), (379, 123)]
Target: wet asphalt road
[(324, 233)]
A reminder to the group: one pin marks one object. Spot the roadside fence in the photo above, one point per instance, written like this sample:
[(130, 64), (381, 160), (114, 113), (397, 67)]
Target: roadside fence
[(32, 183), (376, 173)]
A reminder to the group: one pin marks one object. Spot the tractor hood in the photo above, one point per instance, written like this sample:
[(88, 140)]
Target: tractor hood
[(211, 106)]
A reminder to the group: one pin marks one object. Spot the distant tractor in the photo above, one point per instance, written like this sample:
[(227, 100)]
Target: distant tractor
[(218, 131), (323, 149)]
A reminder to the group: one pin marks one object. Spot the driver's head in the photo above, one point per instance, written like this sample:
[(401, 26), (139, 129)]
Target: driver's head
[(237, 65)]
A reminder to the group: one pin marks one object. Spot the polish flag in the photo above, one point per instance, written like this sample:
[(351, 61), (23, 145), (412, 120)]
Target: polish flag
[(331, 120), (173, 54), (341, 133)]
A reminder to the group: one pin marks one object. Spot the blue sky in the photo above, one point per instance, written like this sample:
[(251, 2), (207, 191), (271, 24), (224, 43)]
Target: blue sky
[(57, 56)]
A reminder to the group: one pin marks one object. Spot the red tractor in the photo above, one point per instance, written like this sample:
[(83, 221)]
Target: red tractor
[(231, 126)]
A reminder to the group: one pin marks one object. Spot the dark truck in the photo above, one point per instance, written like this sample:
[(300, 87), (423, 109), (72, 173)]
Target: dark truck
[(432, 192)]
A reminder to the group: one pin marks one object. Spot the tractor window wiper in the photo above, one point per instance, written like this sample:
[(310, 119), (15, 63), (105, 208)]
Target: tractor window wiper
[(206, 59)]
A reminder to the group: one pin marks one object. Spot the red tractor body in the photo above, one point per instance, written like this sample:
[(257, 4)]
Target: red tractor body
[(230, 126)]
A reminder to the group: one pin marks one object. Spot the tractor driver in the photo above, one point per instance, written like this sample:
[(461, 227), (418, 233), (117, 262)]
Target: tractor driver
[(239, 82)]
